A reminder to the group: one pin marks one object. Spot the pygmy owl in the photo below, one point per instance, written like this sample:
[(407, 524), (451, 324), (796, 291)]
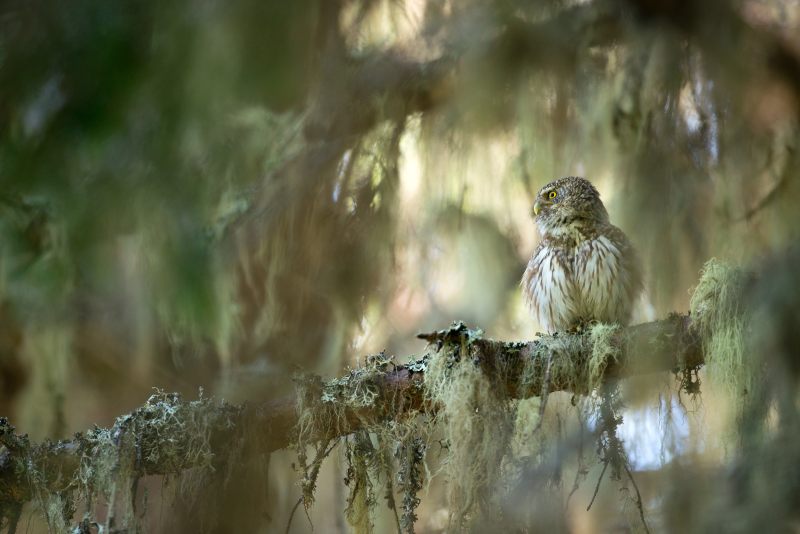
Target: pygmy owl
[(585, 268)]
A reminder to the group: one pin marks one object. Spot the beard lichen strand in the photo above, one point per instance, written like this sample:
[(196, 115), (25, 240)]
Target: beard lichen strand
[(166, 435), (721, 317), (476, 384), (360, 455), (365, 404), (476, 418)]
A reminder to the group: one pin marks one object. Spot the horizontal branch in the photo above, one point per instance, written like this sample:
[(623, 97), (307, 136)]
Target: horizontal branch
[(168, 435)]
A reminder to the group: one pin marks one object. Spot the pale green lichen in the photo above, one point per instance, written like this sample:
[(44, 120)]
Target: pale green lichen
[(721, 317), (604, 340), (361, 459), (166, 434), (477, 421), (324, 408), (486, 442)]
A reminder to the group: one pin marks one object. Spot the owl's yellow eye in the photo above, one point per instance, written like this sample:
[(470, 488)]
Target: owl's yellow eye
[(551, 195)]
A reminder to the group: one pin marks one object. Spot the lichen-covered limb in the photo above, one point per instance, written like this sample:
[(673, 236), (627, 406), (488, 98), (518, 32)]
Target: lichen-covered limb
[(168, 435)]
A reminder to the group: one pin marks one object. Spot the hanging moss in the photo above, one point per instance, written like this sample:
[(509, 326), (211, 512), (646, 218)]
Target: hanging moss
[(604, 351), (721, 317), (324, 408), (471, 387), (477, 421), (360, 457), (410, 478), (166, 435)]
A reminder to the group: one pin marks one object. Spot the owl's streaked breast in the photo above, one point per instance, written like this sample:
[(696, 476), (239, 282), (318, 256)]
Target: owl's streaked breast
[(587, 281), (549, 288)]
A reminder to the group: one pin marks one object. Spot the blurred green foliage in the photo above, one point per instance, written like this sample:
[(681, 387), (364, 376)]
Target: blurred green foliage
[(221, 193)]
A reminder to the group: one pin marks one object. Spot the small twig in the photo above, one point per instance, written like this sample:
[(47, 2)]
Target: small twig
[(765, 201), (581, 470), (391, 501), (575, 486), (597, 487), (638, 497), (773, 193), (13, 519), (390, 489), (291, 516), (316, 464)]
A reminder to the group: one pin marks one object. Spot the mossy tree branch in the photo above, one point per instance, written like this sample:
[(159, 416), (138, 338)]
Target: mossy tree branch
[(168, 435)]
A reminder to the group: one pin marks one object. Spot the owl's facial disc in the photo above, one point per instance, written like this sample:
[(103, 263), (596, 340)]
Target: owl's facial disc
[(567, 202), (545, 200)]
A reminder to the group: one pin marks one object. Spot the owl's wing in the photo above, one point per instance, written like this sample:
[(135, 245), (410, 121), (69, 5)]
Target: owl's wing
[(630, 262)]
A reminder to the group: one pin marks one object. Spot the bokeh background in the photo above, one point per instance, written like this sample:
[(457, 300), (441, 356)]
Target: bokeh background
[(222, 194)]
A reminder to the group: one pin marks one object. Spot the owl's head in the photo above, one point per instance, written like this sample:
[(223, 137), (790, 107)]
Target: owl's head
[(568, 200)]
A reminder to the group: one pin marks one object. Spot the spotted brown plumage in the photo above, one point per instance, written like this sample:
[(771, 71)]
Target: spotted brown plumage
[(585, 268)]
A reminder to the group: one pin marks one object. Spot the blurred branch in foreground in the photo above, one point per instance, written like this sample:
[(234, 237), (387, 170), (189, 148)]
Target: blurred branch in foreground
[(168, 435)]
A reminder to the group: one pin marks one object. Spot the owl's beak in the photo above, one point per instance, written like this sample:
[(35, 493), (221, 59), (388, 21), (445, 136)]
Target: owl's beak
[(537, 207)]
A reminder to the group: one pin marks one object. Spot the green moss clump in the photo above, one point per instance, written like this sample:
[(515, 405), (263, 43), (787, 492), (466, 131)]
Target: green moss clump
[(604, 350), (721, 317)]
